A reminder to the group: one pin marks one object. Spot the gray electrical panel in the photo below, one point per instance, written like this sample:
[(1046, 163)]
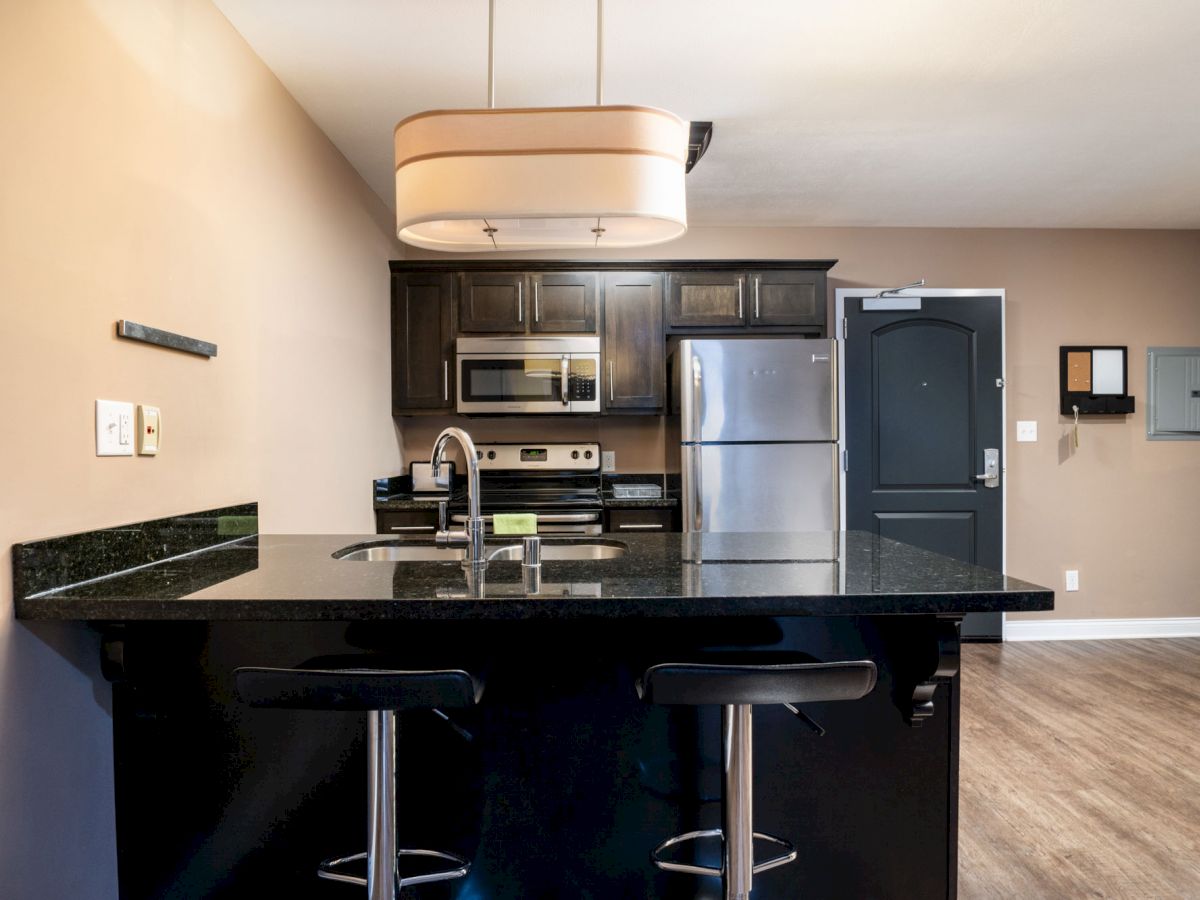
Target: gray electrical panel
[(1173, 410)]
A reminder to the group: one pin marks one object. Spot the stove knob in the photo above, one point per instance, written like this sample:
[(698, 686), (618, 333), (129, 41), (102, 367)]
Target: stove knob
[(479, 454), (587, 454), (574, 454), (491, 454)]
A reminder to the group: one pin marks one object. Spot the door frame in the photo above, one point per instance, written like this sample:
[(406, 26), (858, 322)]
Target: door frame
[(840, 297)]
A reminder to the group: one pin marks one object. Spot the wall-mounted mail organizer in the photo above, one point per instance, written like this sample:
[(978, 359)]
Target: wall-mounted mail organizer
[(1094, 381)]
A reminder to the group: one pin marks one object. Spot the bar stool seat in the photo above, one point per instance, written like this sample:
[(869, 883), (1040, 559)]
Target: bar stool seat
[(344, 684), (737, 688)]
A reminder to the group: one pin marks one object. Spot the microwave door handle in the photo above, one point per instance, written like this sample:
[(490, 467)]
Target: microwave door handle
[(566, 377)]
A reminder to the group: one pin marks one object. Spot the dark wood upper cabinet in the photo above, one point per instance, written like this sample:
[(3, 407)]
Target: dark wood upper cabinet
[(713, 299), (786, 298), (634, 370), (422, 342), (492, 302), (563, 302)]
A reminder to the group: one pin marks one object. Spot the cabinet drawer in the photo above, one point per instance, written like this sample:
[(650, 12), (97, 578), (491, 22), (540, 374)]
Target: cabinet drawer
[(401, 522), (641, 520)]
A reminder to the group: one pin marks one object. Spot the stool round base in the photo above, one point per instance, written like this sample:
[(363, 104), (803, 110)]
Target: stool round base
[(788, 855), (329, 868)]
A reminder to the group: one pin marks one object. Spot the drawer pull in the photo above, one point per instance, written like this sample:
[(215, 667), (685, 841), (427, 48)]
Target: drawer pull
[(644, 526), (411, 528)]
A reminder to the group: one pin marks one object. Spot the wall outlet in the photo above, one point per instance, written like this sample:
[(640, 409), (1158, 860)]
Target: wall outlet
[(1072, 578), (149, 429), (114, 428), (608, 460), (1026, 432)]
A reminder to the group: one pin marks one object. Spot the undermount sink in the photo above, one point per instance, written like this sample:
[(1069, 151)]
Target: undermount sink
[(411, 551)]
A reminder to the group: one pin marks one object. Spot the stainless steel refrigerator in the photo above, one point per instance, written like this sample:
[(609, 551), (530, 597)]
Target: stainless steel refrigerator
[(758, 432)]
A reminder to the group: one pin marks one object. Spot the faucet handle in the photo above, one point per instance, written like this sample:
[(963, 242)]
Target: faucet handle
[(531, 550)]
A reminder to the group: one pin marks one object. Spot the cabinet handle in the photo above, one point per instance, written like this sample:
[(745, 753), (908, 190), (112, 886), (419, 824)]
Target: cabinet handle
[(610, 382), (648, 526), (756, 280), (740, 313), (537, 314), (445, 381), (411, 528), (520, 303)]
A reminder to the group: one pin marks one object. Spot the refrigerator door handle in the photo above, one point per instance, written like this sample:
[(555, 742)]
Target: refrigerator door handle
[(698, 481), (697, 397)]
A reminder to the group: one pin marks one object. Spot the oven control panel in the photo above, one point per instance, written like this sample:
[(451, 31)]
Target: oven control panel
[(554, 457)]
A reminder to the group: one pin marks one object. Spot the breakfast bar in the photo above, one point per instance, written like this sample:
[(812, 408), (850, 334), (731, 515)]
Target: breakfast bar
[(561, 780)]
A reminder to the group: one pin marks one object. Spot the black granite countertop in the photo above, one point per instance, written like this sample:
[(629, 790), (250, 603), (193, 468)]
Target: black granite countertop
[(410, 501), (297, 578)]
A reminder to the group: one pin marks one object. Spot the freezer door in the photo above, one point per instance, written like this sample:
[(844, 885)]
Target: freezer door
[(756, 389), (760, 487)]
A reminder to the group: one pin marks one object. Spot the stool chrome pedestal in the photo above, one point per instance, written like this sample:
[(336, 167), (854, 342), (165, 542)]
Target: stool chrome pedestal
[(737, 689), (381, 693)]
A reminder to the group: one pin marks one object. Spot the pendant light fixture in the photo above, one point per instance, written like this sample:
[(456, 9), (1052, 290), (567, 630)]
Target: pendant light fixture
[(541, 178)]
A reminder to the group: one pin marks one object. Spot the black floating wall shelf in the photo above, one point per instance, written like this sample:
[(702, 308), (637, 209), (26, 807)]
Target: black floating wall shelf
[(1094, 380), (144, 333)]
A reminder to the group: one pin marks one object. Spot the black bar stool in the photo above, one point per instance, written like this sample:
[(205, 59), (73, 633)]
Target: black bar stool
[(381, 693), (737, 689)]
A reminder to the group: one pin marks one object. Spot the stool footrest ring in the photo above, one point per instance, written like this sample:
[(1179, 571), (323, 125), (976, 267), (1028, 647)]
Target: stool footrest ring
[(787, 856), (329, 868)]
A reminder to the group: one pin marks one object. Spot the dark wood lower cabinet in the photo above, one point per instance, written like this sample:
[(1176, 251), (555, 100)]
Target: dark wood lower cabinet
[(641, 519), (402, 522)]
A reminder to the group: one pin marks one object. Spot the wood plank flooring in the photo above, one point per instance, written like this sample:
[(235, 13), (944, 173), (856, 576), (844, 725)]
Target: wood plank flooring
[(1080, 770)]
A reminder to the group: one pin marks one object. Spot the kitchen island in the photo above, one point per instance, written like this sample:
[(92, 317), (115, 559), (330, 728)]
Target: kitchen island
[(561, 781)]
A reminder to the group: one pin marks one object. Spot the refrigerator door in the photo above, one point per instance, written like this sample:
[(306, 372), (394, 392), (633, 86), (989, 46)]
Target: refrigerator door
[(760, 487), (757, 389)]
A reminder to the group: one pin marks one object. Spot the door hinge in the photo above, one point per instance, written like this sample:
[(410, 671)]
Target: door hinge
[(845, 328), (999, 382)]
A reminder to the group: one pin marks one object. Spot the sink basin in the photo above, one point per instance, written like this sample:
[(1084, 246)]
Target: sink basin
[(413, 551)]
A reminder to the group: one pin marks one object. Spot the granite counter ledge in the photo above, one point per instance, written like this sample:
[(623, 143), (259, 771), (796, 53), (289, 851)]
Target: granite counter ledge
[(296, 578)]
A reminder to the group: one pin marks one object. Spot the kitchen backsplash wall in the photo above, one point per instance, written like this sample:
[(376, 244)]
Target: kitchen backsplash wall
[(640, 442)]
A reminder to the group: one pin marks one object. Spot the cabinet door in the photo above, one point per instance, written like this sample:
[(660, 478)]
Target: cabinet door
[(422, 342), (707, 299), (787, 298), (492, 301), (564, 302), (634, 376), (641, 519)]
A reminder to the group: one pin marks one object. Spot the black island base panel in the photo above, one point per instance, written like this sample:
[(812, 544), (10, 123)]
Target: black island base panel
[(558, 785)]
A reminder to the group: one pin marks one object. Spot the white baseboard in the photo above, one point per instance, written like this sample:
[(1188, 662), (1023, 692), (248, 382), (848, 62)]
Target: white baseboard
[(1098, 629)]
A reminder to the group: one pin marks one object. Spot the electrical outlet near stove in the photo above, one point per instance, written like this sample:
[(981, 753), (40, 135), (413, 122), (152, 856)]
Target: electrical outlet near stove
[(608, 460)]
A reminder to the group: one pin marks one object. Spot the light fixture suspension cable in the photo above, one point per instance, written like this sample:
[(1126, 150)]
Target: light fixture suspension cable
[(599, 52), (491, 54)]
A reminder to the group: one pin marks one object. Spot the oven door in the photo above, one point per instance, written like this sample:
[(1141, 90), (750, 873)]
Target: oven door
[(528, 383), (552, 523)]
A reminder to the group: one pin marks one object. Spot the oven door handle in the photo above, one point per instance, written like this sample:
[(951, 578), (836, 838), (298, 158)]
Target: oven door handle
[(560, 518)]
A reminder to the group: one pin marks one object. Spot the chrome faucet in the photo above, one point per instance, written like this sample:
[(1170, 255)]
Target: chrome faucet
[(472, 536)]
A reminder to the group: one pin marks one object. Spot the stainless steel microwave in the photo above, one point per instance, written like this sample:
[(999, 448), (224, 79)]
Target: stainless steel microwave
[(528, 375)]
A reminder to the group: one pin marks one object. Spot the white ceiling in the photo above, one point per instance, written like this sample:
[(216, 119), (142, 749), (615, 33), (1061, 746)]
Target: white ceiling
[(1005, 113)]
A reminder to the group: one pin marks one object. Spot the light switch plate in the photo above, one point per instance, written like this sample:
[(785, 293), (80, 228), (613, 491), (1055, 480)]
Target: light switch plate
[(114, 428), (1026, 431), (149, 429), (608, 460), (1072, 579)]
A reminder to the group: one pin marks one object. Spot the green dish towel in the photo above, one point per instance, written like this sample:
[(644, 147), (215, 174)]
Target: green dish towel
[(514, 523)]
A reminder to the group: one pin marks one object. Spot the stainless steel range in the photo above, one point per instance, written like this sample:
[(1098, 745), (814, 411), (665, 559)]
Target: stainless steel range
[(558, 482)]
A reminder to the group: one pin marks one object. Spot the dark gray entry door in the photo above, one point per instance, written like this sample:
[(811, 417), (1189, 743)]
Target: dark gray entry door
[(924, 401)]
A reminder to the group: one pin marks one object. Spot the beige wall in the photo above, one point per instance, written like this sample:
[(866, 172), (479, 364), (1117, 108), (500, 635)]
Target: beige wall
[(1123, 510), (154, 169)]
